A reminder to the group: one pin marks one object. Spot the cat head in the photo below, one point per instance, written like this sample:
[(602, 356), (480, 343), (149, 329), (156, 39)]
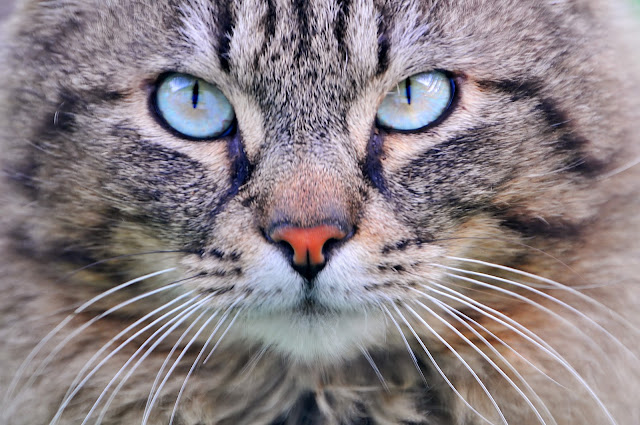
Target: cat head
[(313, 208)]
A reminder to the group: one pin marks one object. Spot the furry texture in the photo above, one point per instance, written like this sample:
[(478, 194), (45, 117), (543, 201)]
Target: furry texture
[(492, 274)]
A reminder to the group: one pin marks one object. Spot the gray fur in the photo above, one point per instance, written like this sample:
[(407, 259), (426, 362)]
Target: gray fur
[(533, 169)]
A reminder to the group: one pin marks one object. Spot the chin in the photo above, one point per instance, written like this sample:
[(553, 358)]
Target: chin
[(313, 335)]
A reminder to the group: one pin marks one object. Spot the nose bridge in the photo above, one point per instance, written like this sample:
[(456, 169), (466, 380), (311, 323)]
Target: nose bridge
[(306, 176), (307, 179), (308, 194)]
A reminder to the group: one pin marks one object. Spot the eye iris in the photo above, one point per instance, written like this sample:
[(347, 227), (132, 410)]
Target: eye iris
[(193, 107), (416, 102)]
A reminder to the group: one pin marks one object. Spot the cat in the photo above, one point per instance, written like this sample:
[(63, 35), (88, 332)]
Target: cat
[(320, 212)]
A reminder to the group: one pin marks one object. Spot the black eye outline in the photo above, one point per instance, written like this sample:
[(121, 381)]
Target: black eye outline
[(160, 119), (454, 82)]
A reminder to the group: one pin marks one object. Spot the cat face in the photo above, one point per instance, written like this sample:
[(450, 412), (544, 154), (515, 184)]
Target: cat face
[(305, 82), (312, 222)]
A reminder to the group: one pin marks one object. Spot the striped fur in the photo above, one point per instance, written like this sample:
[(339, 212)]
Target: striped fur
[(491, 275)]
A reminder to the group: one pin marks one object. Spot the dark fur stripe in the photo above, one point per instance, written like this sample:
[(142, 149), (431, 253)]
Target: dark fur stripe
[(531, 226), (270, 20), (372, 167), (309, 413), (302, 11), (226, 26), (305, 411), (384, 44), (301, 8), (516, 88), (568, 141), (240, 166), (519, 90), (340, 28), (240, 172), (23, 174), (62, 119)]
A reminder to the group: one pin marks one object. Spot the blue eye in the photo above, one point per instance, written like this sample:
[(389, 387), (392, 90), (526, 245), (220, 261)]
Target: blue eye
[(193, 107), (416, 102)]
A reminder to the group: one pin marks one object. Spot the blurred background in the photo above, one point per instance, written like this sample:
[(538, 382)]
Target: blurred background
[(5, 8)]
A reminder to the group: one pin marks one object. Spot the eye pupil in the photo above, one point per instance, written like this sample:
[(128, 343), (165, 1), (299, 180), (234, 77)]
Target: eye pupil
[(194, 95), (408, 90)]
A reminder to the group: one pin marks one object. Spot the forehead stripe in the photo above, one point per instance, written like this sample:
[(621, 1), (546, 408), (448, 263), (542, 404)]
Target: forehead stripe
[(384, 44), (226, 24), (340, 26)]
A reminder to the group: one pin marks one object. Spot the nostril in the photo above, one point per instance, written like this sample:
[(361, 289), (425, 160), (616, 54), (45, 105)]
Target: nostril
[(333, 243), (308, 245), (285, 246)]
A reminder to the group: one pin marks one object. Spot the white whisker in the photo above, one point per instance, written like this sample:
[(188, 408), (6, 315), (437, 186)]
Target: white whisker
[(535, 304), (489, 312), (406, 343), (620, 169), (251, 365), (79, 386), (455, 312), (621, 319), (373, 365), (173, 349), (89, 323), (461, 360), (457, 316), (53, 353), (484, 356), (59, 327), (31, 356), (125, 331), (199, 356), (173, 324), (225, 331), (119, 257), (525, 333), (119, 287), (432, 360)]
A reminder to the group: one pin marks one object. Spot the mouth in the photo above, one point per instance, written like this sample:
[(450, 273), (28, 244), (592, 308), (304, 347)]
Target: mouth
[(308, 271), (312, 332), (310, 306)]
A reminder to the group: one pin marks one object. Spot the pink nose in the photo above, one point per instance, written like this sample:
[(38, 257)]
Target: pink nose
[(308, 245)]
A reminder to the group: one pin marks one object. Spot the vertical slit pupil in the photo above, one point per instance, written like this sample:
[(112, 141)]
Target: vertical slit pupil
[(408, 90), (194, 95)]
